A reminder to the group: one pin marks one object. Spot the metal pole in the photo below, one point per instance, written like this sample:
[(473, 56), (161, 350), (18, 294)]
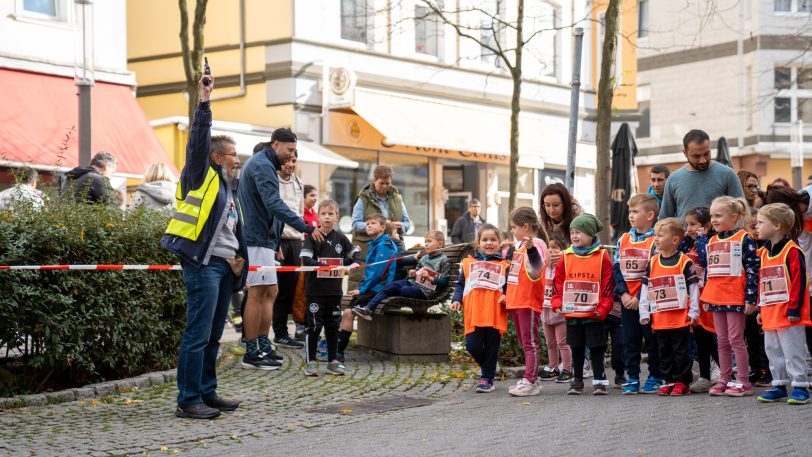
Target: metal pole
[(797, 158), (84, 123), (578, 33)]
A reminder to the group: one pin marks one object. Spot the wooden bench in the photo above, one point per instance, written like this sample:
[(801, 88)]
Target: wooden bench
[(403, 329)]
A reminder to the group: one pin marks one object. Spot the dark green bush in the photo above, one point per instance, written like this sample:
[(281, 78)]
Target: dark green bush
[(67, 328)]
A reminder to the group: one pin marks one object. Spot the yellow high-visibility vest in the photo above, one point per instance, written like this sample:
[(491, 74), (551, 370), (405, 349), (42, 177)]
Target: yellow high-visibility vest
[(194, 210)]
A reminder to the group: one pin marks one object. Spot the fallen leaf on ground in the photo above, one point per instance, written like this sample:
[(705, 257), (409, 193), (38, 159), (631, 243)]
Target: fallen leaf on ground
[(164, 448), (524, 403), (128, 401), (346, 411)]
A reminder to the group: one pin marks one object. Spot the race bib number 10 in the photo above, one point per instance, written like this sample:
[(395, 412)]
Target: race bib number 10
[(332, 274)]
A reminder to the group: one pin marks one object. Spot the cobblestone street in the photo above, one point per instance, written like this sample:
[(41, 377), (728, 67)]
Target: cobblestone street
[(277, 418)]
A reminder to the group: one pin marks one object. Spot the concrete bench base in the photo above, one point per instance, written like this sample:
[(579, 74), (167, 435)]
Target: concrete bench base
[(407, 338)]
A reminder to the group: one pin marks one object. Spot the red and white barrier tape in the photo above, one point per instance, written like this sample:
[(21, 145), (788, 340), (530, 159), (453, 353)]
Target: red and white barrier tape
[(116, 267)]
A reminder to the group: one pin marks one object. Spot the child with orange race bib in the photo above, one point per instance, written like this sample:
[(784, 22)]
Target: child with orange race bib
[(731, 291), (669, 299), (694, 245), (479, 293), (783, 305), (525, 292), (553, 324), (634, 249), (583, 291)]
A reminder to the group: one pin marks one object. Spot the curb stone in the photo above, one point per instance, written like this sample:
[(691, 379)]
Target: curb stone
[(90, 391)]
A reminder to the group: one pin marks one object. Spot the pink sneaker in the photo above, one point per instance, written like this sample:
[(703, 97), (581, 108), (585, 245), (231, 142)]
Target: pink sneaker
[(737, 389), (718, 389)]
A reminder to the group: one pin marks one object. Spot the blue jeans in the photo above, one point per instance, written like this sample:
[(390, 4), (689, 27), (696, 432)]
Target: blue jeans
[(635, 336), (402, 288), (208, 295)]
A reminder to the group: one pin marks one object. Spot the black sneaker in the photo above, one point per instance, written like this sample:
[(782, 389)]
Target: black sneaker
[(619, 381), (288, 342), (299, 336), (272, 356), (340, 356), (362, 312), (221, 403), (599, 389), (198, 411), (258, 362), (576, 387)]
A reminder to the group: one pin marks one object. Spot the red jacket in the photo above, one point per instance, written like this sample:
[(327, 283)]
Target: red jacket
[(606, 291)]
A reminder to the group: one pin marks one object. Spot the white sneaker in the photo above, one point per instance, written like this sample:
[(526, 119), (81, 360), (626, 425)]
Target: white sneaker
[(587, 370), (525, 388), (701, 385), (716, 373)]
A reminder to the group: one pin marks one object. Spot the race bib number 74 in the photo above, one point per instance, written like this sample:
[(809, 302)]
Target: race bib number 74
[(486, 275)]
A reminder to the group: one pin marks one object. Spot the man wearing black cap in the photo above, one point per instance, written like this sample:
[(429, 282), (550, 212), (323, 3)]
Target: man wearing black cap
[(262, 208)]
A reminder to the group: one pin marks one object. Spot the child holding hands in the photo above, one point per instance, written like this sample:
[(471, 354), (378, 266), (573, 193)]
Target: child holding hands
[(669, 299), (479, 293)]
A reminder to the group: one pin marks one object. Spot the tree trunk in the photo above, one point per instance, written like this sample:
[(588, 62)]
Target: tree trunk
[(192, 58), (604, 133), (515, 107)]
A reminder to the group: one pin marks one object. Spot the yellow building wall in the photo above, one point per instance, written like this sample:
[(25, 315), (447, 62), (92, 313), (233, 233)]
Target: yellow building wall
[(153, 40), (625, 95), (153, 26)]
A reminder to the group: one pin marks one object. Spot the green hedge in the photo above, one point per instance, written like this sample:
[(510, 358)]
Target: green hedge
[(69, 328)]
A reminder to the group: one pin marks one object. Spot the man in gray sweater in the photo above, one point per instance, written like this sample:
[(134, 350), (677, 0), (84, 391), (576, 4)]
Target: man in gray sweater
[(699, 181)]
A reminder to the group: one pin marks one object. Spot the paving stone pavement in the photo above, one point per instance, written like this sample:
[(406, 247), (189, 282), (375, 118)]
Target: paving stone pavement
[(273, 420), (143, 422)]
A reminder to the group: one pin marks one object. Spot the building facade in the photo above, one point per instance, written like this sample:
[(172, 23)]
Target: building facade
[(367, 82), (741, 70), (39, 113)]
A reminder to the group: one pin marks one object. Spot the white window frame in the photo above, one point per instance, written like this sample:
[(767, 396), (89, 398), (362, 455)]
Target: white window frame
[(794, 93), (434, 25), (64, 14), (370, 22), (794, 9), (500, 36), (643, 32)]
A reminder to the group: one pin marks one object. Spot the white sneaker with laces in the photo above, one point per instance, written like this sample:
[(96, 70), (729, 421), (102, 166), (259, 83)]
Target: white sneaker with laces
[(525, 388), (701, 385), (716, 373)]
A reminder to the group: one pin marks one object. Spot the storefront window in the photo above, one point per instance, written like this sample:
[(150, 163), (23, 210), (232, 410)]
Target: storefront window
[(412, 180), (345, 183), (525, 192)]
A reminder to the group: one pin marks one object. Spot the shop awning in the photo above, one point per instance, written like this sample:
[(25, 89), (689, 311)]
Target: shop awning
[(38, 124), (429, 123), (309, 151)]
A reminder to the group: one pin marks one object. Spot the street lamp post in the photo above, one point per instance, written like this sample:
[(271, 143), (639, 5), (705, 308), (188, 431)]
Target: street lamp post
[(83, 74)]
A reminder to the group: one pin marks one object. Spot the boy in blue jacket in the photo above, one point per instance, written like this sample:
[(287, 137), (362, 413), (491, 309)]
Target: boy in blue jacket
[(383, 254)]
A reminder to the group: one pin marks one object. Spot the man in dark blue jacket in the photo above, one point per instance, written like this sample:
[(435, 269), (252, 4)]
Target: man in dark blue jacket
[(262, 209), (206, 233)]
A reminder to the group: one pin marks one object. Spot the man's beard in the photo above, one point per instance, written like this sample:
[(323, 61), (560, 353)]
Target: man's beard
[(700, 167)]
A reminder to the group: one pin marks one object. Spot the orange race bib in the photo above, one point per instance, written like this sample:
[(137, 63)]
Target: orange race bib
[(515, 268), (666, 293), (772, 285), (633, 262), (725, 258), (580, 297), (486, 275)]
